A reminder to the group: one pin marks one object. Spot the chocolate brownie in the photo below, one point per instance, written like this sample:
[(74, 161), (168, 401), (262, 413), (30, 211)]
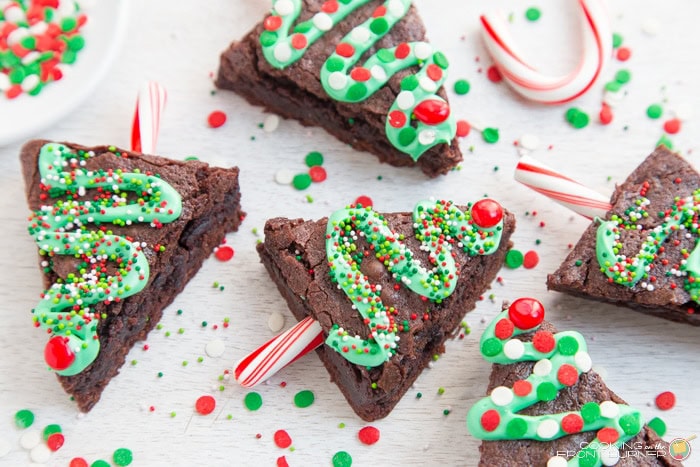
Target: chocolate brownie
[(582, 398), (135, 228), (654, 200), (295, 255), (296, 88)]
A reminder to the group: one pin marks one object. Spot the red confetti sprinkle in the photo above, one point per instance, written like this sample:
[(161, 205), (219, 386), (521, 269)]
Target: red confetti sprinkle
[(543, 341), (272, 23), (397, 119), (624, 53), (360, 74), (490, 420), (526, 313), (345, 50), (434, 72), (522, 388), (666, 400), (608, 435), (531, 259), (55, 441), (317, 173), (504, 328), (282, 462), (567, 375), (224, 253), (205, 405), (299, 41), (368, 435), (282, 439), (379, 12), (672, 126), (463, 128), (493, 74), (402, 51), (605, 115), (365, 201), (78, 462), (572, 423), (216, 119), (331, 6)]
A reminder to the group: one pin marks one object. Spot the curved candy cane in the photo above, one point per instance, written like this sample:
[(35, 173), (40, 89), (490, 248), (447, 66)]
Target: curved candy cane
[(345, 82), (530, 83), (66, 310), (561, 358)]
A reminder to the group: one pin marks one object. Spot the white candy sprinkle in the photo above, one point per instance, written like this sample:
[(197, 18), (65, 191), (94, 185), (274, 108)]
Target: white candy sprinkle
[(322, 21), (40, 454), (405, 100), (396, 8), (30, 82), (360, 34), (422, 50), (4, 82), (215, 348), (30, 438), (609, 456), (583, 361), (557, 461), (609, 409), (17, 35), (426, 137), (275, 322), (284, 7), (529, 141), (14, 14), (283, 52), (427, 84), (284, 176), (514, 349), (378, 72), (337, 80), (5, 447), (542, 368), (547, 429), (501, 396), (271, 123)]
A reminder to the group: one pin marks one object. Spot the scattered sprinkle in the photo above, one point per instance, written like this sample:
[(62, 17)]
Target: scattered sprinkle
[(666, 400), (672, 126), (463, 128), (55, 441), (490, 135), (275, 321), (271, 123), (100, 463), (30, 438), (313, 159), (253, 401), (215, 348), (122, 457), (282, 439), (577, 118), (368, 435), (304, 398), (40, 454), (462, 87), (224, 253), (623, 54), (658, 425), (531, 259), (24, 418), (529, 141), (342, 459), (514, 258), (617, 40), (205, 405), (317, 174), (301, 181), (493, 74), (284, 176), (78, 462), (533, 14), (216, 119), (282, 462)]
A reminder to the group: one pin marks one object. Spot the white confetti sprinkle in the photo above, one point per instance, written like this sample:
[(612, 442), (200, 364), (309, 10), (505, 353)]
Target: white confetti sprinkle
[(30, 438), (337, 80), (427, 84), (284, 7), (426, 137), (40, 454), (30, 82), (396, 8), (360, 34), (609, 456), (529, 141), (275, 321), (514, 349), (283, 52), (284, 176), (322, 21), (215, 348), (422, 50), (609, 409), (547, 429), (583, 361), (4, 82), (378, 72), (405, 100), (542, 368), (501, 396), (271, 123)]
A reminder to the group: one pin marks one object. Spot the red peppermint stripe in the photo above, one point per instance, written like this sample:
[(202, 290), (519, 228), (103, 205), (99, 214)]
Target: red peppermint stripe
[(150, 104)]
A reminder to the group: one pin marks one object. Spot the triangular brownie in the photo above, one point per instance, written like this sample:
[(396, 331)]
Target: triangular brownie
[(644, 254), (313, 263), (119, 234), (360, 69), (547, 407)]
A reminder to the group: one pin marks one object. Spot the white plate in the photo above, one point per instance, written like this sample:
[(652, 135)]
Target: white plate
[(27, 115)]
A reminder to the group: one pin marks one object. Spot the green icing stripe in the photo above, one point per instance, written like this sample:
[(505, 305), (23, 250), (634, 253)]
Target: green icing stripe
[(561, 358), (418, 118), (628, 270), (439, 225), (109, 267)]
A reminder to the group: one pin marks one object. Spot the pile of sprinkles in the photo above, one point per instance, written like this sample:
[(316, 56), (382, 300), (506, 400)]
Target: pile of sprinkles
[(38, 39), (303, 180)]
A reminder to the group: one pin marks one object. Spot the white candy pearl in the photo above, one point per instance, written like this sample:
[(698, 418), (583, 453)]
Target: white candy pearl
[(405, 100), (284, 7), (501, 396), (547, 429), (322, 21), (514, 349), (337, 80), (542, 368), (609, 409), (283, 52)]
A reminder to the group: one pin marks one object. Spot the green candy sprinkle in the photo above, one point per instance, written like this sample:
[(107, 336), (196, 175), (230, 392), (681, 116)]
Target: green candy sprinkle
[(24, 418), (50, 430), (658, 425), (357, 91), (516, 428), (342, 459), (654, 111), (441, 60), (617, 40), (409, 83), (100, 463), (268, 38), (407, 135), (613, 86), (623, 76), (122, 457), (301, 181), (666, 141), (304, 398), (491, 346), (577, 118), (514, 258), (533, 14), (567, 345), (379, 25), (253, 401), (630, 424), (335, 64), (590, 412), (546, 391), (490, 135), (462, 87), (386, 56), (68, 24)]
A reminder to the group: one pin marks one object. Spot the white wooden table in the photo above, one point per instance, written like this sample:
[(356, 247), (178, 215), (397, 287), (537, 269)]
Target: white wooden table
[(177, 43)]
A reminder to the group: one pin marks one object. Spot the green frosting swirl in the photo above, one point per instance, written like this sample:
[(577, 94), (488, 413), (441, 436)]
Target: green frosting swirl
[(109, 267), (439, 225), (418, 118)]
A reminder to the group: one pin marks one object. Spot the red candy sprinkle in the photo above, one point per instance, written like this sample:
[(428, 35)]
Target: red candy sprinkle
[(317, 173), (282, 439), (216, 119), (402, 51), (605, 115), (345, 50), (397, 119), (493, 74), (486, 213), (432, 111), (463, 128), (272, 23), (608, 435), (504, 328), (224, 253), (368, 435), (434, 72), (78, 462), (58, 354), (490, 420), (522, 388), (567, 375), (666, 400), (572, 423), (365, 201), (379, 12), (526, 313), (624, 53), (531, 259), (543, 341), (672, 126), (360, 74), (282, 462), (205, 405), (55, 441), (330, 6), (299, 41)]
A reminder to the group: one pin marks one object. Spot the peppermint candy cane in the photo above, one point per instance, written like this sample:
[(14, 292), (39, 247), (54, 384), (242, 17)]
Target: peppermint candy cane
[(150, 104), (565, 191), (537, 86)]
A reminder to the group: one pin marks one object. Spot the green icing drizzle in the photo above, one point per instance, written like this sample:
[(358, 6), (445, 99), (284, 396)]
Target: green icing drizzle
[(561, 358), (629, 271), (418, 118), (109, 267), (439, 225)]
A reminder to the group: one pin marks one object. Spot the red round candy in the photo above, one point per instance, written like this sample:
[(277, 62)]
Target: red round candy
[(317, 173), (402, 50), (299, 41), (55, 441), (526, 313), (205, 405), (531, 259), (672, 126), (379, 12), (224, 253), (78, 462), (543, 341), (282, 462), (493, 74), (463, 128), (432, 111), (608, 435), (216, 119), (360, 74), (282, 439), (624, 53), (345, 50), (58, 354), (522, 388), (666, 400), (605, 115), (272, 23), (487, 213), (504, 328), (567, 375), (365, 201), (490, 420), (331, 6), (368, 435), (397, 119), (572, 423), (434, 72)]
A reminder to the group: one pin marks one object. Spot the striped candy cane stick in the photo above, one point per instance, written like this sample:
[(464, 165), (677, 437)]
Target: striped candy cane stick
[(565, 191), (150, 104), (530, 83), (278, 352)]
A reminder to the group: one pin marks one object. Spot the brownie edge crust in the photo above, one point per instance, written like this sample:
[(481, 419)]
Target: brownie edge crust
[(211, 208), (294, 255)]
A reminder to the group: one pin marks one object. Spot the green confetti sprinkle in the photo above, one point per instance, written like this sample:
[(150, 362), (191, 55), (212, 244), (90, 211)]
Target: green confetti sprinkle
[(446, 412), (253, 401), (301, 181), (304, 398), (100, 463), (514, 258), (341, 425), (623, 76), (490, 135), (441, 391), (342, 459), (51, 429), (658, 425), (24, 418), (462, 87), (617, 40), (419, 395), (533, 14), (314, 158), (666, 141), (122, 457), (654, 111), (577, 118), (613, 86)]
